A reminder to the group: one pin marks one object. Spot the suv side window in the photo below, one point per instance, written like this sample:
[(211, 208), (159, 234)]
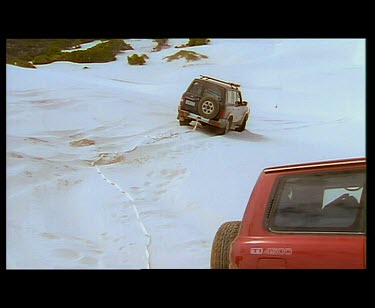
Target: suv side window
[(213, 91), (231, 97), (196, 88), (238, 97), (333, 201)]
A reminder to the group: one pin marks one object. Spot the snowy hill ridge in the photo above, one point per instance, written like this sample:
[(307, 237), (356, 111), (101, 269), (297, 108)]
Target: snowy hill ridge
[(101, 175)]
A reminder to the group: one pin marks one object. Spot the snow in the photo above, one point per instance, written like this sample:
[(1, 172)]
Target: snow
[(101, 176), (84, 46)]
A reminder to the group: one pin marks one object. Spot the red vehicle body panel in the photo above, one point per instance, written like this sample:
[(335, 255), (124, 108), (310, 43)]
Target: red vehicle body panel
[(256, 246)]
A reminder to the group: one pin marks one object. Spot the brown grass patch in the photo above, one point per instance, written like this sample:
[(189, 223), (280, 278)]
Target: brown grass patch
[(82, 143), (189, 55), (108, 159), (15, 155)]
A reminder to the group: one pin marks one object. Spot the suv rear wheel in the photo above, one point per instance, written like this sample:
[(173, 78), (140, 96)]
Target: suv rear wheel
[(243, 124), (224, 237), (208, 107), (224, 130)]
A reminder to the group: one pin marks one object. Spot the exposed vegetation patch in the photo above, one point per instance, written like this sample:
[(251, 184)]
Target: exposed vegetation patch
[(22, 51), (100, 53), (187, 54), (30, 52), (137, 59), (108, 159), (195, 42), (82, 143), (15, 155), (161, 44), (23, 63)]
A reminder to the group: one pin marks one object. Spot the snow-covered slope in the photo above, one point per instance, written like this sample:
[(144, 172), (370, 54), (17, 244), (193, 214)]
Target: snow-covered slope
[(101, 175)]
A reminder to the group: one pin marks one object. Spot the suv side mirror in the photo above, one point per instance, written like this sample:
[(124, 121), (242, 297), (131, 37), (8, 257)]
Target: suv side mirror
[(244, 103)]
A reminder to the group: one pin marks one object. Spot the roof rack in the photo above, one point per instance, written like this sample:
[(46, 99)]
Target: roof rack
[(232, 84)]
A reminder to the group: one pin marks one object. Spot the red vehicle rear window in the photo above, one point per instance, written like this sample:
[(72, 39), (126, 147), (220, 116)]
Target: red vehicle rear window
[(320, 202)]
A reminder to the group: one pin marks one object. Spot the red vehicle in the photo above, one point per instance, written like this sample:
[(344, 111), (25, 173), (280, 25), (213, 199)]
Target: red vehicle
[(301, 216)]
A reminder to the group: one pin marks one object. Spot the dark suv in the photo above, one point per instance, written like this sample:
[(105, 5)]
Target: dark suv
[(214, 102)]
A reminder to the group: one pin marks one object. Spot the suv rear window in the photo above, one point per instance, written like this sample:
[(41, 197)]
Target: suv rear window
[(196, 88), (320, 202), (213, 91)]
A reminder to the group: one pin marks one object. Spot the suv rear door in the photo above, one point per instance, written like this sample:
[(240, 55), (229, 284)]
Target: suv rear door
[(193, 95), (199, 89), (317, 220)]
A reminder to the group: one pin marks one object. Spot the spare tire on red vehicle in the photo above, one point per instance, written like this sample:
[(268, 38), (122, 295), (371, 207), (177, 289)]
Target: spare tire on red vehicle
[(221, 245), (208, 107)]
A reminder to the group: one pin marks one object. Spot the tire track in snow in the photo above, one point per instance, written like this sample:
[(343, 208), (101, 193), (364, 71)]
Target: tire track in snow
[(130, 198), (143, 228)]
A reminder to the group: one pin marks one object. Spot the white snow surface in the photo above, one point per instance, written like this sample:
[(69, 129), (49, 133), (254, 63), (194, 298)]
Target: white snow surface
[(147, 193)]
